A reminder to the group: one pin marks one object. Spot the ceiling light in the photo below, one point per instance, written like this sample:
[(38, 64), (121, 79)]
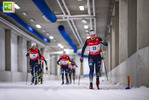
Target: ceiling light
[(86, 26), (88, 37), (84, 21), (32, 20), (81, 8), (51, 37), (43, 30), (16, 6), (59, 44), (38, 26), (86, 31), (48, 34), (79, 0), (24, 13)]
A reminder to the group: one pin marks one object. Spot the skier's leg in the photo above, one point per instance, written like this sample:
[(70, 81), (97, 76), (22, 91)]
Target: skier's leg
[(70, 75), (91, 66), (36, 72), (66, 74), (41, 75), (62, 71), (74, 76), (32, 73), (97, 66)]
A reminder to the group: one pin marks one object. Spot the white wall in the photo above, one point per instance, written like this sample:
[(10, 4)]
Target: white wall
[(2, 49), (24, 59), (136, 66), (14, 52)]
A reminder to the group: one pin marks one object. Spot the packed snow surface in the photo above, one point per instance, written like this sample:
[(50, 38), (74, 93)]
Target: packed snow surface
[(53, 90)]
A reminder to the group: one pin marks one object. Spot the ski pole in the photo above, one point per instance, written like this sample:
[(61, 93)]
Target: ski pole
[(105, 66), (27, 71), (80, 73)]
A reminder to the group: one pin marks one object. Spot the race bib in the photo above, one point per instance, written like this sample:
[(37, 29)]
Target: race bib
[(32, 56), (64, 62), (94, 48)]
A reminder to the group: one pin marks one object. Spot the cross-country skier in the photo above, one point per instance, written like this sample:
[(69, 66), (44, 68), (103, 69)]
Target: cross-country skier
[(73, 68), (33, 54), (64, 66), (41, 66), (94, 57)]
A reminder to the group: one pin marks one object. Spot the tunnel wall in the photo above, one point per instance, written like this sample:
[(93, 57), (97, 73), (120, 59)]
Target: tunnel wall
[(136, 66)]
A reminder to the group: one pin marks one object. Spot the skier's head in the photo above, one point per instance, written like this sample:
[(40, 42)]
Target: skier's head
[(64, 53), (34, 46), (92, 34)]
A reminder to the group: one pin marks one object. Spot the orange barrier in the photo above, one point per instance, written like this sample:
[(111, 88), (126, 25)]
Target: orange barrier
[(128, 81)]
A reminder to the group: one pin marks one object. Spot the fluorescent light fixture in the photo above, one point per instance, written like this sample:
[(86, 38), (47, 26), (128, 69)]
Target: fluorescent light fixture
[(84, 21), (32, 20), (43, 30), (81, 8), (38, 26), (88, 37), (59, 44), (86, 26), (51, 37), (79, 0), (24, 13), (48, 34), (16, 6), (86, 31)]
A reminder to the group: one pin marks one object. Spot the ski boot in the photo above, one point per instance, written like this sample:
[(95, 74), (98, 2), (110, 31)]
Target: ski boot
[(62, 82), (91, 86), (39, 80), (32, 82), (36, 82), (67, 82), (97, 84)]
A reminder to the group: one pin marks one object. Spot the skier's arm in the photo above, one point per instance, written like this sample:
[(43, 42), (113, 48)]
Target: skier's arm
[(70, 60), (28, 53), (39, 54), (104, 43), (58, 61), (85, 45), (45, 61)]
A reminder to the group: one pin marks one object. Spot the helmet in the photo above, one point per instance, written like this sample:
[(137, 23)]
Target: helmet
[(64, 53), (33, 44)]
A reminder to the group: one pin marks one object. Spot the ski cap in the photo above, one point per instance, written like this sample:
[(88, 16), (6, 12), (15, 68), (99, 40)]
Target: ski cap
[(64, 53), (92, 32), (33, 44)]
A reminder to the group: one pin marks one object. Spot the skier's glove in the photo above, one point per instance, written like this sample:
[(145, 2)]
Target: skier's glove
[(46, 68), (81, 59)]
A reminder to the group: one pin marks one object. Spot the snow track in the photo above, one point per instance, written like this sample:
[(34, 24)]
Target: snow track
[(53, 90)]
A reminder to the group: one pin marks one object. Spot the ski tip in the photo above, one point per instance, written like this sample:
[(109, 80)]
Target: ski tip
[(107, 79), (78, 84)]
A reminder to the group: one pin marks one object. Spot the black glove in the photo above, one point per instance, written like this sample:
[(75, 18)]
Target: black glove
[(46, 68)]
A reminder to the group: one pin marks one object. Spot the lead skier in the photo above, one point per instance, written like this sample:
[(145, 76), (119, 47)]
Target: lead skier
[(94, 57)]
